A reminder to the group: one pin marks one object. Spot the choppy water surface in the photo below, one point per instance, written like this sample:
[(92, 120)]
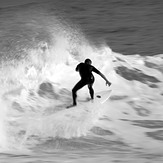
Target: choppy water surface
[(129, 27)]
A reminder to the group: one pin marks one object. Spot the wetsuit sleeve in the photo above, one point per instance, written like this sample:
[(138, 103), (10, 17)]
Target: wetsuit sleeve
[(77, 67), (95, 70)]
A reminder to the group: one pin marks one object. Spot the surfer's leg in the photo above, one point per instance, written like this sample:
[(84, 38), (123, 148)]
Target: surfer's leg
[(91, 91), (90, 87), (78, 86)]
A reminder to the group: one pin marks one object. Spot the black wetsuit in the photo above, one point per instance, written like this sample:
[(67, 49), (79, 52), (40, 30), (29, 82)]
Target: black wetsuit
[(87, 78)]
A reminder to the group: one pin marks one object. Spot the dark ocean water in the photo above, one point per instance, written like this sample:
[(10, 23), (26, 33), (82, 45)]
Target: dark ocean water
[(128, 26)]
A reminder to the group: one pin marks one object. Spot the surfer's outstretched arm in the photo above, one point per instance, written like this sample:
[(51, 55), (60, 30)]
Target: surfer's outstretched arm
[(103, 76)]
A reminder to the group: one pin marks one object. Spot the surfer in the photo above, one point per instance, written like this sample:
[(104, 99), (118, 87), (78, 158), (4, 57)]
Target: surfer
[(85, 70)]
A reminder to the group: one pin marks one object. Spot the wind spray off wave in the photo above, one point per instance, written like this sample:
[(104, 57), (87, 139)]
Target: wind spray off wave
[(37, 75)]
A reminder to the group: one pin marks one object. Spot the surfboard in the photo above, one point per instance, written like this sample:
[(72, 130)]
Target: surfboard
[(101, 96)]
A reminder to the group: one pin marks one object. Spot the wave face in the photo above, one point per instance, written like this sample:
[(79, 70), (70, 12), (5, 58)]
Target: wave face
[(39, 53)]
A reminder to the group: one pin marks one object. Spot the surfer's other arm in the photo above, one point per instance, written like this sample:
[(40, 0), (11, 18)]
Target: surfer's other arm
[(102, 75)]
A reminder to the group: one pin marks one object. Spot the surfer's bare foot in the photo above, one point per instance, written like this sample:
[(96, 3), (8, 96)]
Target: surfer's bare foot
[(88, 99), (92, 100), (70, 106)]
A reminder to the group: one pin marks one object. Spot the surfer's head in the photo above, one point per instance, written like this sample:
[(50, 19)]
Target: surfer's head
[(88, 61)]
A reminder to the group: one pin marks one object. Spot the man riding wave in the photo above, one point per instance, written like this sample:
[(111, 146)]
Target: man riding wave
[(85, 70)]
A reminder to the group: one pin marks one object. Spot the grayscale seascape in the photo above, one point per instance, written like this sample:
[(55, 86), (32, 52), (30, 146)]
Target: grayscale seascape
[(40, 45)]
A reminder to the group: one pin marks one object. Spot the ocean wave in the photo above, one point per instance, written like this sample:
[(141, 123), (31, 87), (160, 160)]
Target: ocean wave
[(37, 73)]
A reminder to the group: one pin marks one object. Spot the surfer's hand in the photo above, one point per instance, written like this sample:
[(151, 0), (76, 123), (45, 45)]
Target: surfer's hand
[(108, 83)]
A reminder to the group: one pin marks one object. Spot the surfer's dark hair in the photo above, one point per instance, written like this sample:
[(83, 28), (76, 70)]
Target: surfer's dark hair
[(88, 61)]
